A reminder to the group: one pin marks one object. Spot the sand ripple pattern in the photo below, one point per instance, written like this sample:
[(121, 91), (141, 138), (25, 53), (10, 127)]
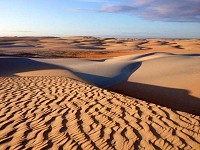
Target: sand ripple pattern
[(60, 113)]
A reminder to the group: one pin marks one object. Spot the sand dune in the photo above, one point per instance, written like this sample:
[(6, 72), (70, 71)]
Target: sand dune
[(62, 103), (59, 113), (162, 78), (92, 47), (168, 80)]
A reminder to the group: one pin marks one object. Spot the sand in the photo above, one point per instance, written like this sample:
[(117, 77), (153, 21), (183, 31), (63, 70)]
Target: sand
[(53, 102), (167, 79), (59, 113), (92, 47)]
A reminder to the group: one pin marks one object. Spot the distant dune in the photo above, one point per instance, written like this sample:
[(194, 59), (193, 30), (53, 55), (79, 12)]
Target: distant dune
[(92, 47), (148, 97)]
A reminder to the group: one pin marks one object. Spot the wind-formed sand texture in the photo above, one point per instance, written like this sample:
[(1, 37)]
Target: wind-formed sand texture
[(51, 101), (60, 113), (162, 78)]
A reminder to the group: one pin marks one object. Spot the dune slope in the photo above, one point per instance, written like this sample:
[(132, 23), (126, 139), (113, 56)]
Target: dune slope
[(163, 78)]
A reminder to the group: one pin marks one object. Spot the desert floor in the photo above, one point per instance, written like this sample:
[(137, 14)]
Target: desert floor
[(99, 93)]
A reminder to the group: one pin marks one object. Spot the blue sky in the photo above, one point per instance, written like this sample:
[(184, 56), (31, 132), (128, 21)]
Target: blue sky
[(108, 18)]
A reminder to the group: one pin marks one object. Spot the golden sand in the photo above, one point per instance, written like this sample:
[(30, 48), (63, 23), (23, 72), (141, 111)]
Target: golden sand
[(92, 47), (42, 108), (60, 113)]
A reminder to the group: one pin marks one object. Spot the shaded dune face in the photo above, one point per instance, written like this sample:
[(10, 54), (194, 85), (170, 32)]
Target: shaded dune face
[(174, 98), (42, 108), (11, 66), (105, 82), (161, 78), (59, 113), (171, 81)]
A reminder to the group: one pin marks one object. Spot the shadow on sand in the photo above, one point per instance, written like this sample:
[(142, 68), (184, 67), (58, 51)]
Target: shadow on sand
[(104, 82), (11, 66), (177, 99)]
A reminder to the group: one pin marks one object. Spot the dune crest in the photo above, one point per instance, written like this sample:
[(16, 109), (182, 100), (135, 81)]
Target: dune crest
[(55, 93), (167, 79)]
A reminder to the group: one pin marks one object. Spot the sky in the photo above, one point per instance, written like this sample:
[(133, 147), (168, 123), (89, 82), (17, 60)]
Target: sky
[(105, 18)]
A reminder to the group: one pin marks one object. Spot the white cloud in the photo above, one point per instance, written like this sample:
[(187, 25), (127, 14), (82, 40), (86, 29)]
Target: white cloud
[(165, 10)]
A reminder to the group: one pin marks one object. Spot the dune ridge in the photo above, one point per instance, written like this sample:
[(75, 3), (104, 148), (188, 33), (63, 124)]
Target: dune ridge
[(60, 113), (51, 101), (170, 80)]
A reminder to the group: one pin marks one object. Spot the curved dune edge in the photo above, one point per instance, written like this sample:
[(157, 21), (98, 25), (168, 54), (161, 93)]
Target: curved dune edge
[(166, 79), (60, 113)]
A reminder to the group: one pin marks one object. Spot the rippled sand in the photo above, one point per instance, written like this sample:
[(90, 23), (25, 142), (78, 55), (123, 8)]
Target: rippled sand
[(60, 113), (49, 101)]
